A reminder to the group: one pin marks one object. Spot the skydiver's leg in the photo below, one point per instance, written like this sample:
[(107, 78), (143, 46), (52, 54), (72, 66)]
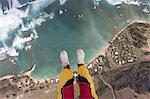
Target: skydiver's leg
[(87, 90), (65, 85)]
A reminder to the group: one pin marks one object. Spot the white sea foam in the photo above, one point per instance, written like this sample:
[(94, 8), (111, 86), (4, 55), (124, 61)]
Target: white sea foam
[(28, 47), (145, 3), (11, 4), (38, 5), (12, 52), (62, 1), (146, 10), (1, 12), (12, 19), (3, 53), (51, 16), (20, 41), (15, 3), (117, 2), (60, 12)]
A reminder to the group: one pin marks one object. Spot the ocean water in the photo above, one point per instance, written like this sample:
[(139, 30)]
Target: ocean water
[(75, 24)]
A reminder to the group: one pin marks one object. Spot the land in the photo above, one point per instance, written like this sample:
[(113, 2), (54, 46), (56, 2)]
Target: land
[(122, 70)]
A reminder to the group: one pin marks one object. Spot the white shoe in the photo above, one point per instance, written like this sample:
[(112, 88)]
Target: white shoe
[(80, 56), (64, 58)]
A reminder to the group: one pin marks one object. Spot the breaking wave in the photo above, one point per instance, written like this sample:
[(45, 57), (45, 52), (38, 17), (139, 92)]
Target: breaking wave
[(145, 4), (19, 18)]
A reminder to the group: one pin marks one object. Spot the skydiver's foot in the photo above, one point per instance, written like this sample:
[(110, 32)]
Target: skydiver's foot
[(80, 57), (64, 59)]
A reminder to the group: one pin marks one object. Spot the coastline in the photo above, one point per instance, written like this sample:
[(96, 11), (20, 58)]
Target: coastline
[(104, 50), (52, 81), (100, 52)]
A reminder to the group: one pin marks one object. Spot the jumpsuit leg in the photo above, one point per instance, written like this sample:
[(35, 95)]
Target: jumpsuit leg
[(87, 89), (65, 85)]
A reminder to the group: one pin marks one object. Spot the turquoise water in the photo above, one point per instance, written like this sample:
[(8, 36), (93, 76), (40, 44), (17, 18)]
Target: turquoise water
[(90, 33), (68, 32)]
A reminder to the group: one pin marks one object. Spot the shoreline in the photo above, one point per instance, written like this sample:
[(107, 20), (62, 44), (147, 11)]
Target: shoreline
[(100, 52), (104, 50)]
